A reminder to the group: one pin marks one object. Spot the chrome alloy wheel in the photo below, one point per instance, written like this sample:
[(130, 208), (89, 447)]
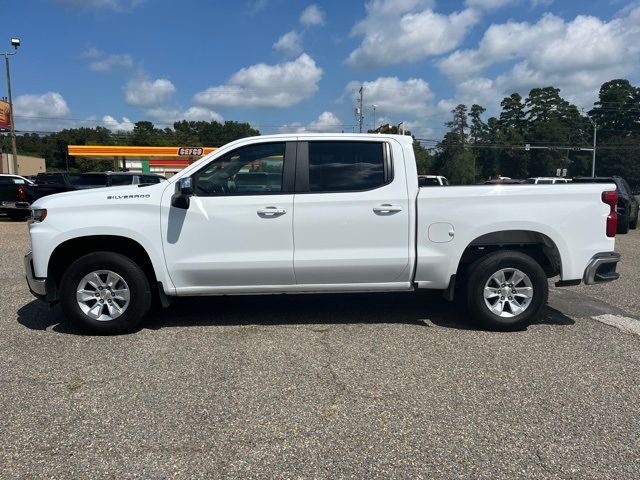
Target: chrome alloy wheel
[(508, 292), (103, 295)]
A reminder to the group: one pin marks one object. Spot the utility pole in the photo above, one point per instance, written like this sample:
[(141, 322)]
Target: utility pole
[(593, 158), (361, 112), (13, 164)]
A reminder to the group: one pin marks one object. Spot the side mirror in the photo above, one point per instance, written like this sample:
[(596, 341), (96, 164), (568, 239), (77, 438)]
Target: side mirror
[(184, 190), (185, 186)]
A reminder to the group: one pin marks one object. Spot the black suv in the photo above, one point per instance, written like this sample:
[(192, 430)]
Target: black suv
[(111, 179), (627, 207)]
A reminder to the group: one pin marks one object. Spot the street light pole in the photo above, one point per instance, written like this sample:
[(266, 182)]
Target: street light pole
[(13, 164), (374, 117), (593, 158)]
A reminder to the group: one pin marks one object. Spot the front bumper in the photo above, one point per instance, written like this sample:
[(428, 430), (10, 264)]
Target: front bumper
[(37, 286), (602, 268)]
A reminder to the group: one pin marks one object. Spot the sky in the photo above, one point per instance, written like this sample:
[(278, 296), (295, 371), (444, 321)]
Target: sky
[(296, 66)]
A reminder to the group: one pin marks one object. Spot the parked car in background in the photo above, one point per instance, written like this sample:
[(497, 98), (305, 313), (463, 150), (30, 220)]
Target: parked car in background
[(432, 181), (627, 208), (13, 196), (346, 214), (547, 180), (112, 179), (504, 181)]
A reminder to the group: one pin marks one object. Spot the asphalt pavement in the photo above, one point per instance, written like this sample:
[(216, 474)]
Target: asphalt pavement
[(333, 386)]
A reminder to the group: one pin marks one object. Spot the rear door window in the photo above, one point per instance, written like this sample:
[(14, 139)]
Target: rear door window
[(346, 166)]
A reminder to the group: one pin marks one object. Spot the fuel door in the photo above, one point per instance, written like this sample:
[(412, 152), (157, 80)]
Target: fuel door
[(441, 232)]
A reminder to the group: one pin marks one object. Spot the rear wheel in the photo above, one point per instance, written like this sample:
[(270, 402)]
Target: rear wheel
[(506, 290), (634, 224), (105, 293)]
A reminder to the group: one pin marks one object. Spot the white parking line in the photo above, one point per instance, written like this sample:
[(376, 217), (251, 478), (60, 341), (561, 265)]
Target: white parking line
[(626, 324)]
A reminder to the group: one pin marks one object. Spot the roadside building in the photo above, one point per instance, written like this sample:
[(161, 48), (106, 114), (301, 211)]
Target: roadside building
[(26, 165)]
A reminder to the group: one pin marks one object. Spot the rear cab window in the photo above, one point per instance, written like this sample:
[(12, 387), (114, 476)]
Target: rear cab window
[(347, 166)]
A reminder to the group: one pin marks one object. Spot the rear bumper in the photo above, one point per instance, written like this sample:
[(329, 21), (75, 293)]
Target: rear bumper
[(15, 206), (37, 286), (602, 268)]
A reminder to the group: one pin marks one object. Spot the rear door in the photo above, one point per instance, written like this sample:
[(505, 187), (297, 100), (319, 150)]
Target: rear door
[(351, 213)]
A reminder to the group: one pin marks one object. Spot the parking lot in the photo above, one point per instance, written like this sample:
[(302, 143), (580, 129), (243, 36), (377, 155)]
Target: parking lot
[(366, 386)]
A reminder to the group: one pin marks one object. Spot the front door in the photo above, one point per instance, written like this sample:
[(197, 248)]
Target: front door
[(351, 221), (238, 229)]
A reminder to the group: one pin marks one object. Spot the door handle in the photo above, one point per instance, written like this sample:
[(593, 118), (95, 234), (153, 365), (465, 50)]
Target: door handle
[(387, 208), (271, 211)]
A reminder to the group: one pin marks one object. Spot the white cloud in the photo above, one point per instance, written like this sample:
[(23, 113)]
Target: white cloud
[(326, 122), (115, 5), (311, 16), (166, 116), (488, 4), (50, 105), (418, 129), (103, 62), (269, 86), (141, 92), (394, 96), (45, 112), (290, 44), (577, 56), (396, 31), (496, 4), (115, 126), (256, 6)]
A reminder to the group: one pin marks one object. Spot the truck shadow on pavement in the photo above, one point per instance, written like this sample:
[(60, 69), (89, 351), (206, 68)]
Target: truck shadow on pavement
[(425, 309)]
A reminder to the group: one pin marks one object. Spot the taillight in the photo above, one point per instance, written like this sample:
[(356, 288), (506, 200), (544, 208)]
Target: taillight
[(22, 194), (611, 199)]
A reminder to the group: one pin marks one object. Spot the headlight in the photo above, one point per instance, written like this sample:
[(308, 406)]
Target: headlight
[(38, 214)]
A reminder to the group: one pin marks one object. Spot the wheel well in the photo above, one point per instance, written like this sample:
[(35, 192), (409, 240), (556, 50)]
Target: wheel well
[(69, 251), (537, 245)]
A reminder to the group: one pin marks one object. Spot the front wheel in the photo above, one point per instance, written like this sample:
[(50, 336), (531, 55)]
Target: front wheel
[(105, 293), (506, 290)]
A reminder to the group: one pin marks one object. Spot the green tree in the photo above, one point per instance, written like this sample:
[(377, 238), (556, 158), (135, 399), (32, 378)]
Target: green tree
[(454, 159)]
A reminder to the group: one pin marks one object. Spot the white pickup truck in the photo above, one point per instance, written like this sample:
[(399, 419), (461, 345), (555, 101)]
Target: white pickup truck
[(316, 213)]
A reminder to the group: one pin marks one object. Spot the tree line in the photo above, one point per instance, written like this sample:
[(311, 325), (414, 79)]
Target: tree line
[(471, 151), (53, 147)]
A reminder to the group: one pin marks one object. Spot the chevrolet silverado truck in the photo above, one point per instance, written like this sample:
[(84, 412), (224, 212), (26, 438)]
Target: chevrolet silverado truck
[(316, 213)]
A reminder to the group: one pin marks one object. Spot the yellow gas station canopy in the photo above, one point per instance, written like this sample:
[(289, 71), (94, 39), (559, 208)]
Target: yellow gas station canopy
[(131, 151)]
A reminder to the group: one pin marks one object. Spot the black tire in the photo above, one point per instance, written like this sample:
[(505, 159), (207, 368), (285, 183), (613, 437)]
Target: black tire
[(634, 224), (623, 224), (140, 295), (483, 269)]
